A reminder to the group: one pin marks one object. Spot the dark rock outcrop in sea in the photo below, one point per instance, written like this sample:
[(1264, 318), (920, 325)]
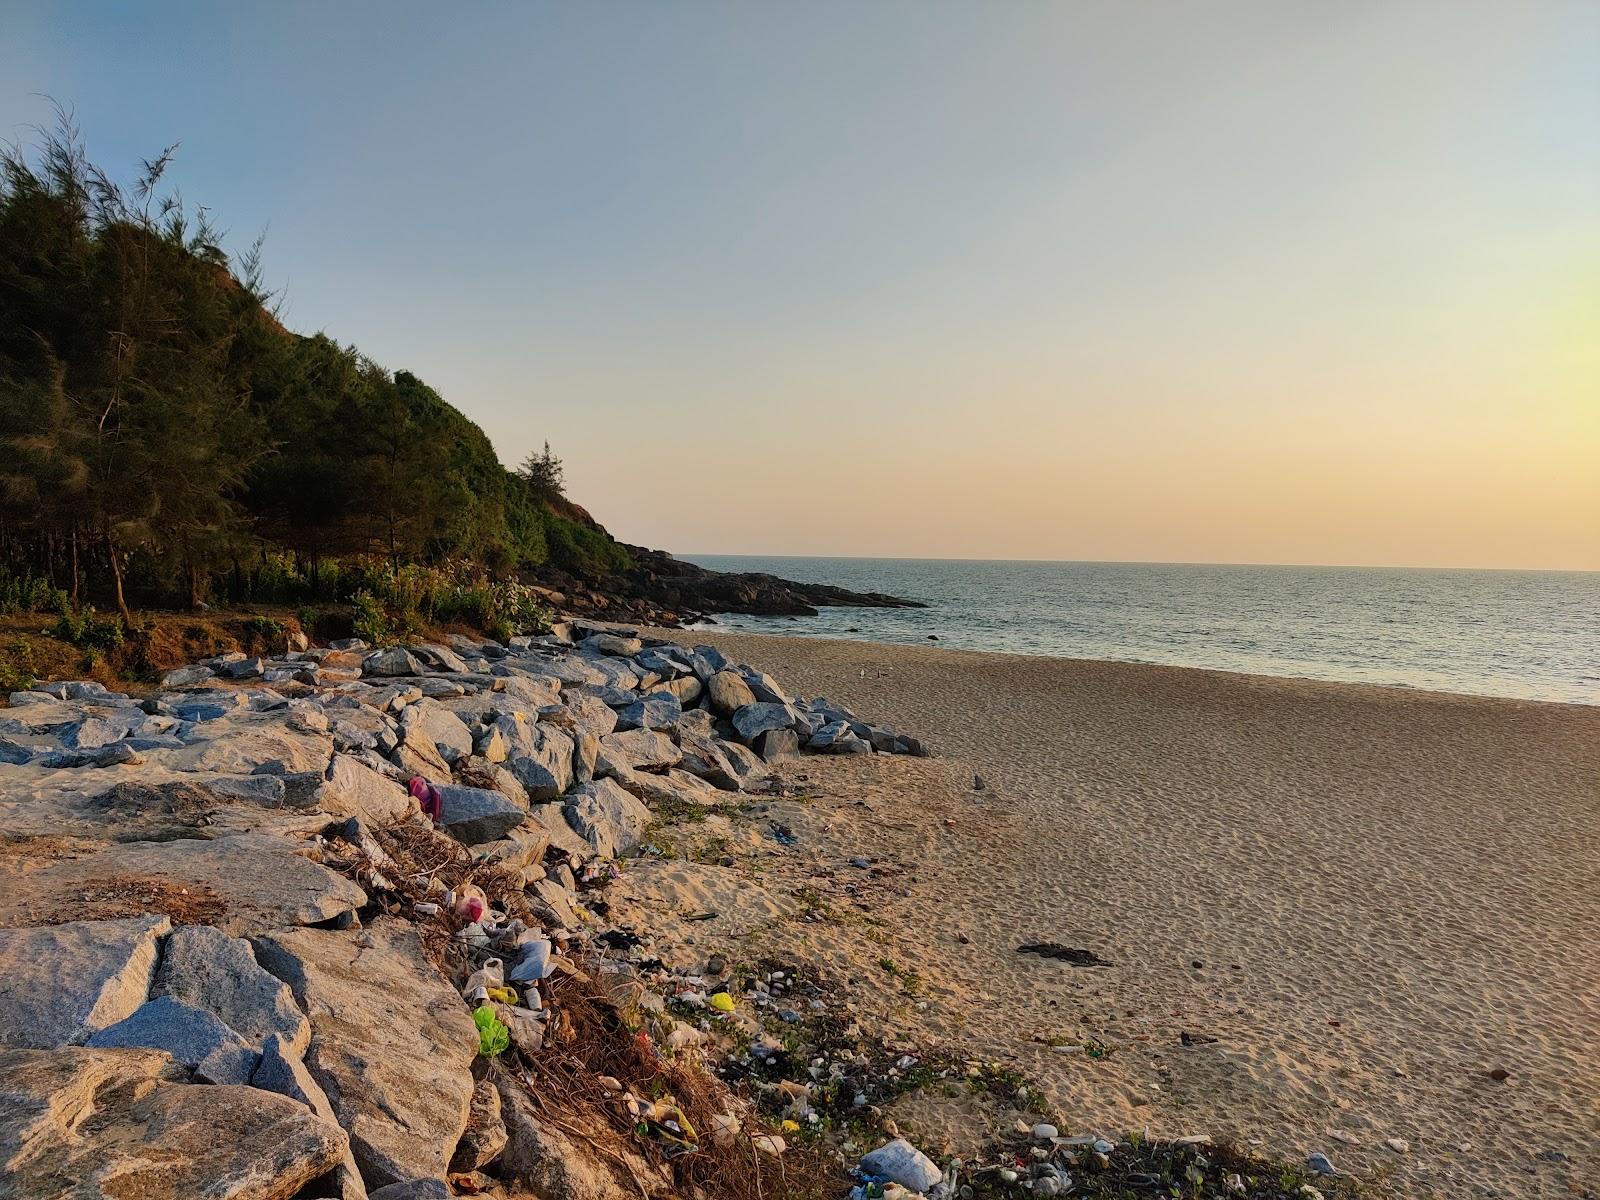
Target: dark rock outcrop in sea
[(664, 590)]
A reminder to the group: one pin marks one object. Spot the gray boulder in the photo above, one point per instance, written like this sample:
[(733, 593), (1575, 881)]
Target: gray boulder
[(440, 658), (115, 1124), (660, 710), (485, 1137), (777, 743), (434, 725), (708, 660), (391, 1043), (838, 738), (642, 749), (704, 755), (591, 714), (65, 982), (765, 687), (193, 1036), (686, 688), (256, 879), (541, 759), (753, 720), (353, 789), (207, 969), (551, 818), (187, 676), (607, 817), (474, 815), (613, 644), (394, 661)]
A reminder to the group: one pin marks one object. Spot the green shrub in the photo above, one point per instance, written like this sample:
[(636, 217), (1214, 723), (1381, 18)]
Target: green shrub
[(369, 621), (29, 594), (84, 628), (265, 628)]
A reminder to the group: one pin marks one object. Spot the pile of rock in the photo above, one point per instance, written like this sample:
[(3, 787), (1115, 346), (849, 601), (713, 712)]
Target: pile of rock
[(291, 1035)]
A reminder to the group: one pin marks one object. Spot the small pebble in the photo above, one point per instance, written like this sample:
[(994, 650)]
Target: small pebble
[(1398, 1145)]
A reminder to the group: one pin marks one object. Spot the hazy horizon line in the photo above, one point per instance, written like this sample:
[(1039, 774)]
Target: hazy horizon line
[(1133, 562)]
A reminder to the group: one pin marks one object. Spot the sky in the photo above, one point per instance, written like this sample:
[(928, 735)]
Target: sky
[(1226, 282)]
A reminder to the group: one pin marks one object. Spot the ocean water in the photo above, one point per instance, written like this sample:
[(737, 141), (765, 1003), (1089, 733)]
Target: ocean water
[(1529, 634)]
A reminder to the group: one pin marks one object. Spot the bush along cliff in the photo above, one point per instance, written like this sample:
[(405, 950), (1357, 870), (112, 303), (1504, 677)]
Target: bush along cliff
[(166, 442)]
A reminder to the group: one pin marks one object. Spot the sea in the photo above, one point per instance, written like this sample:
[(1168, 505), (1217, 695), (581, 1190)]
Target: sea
[(1528, 634)]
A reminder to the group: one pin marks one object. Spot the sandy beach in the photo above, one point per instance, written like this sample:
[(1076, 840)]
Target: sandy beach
[(1373, 900)]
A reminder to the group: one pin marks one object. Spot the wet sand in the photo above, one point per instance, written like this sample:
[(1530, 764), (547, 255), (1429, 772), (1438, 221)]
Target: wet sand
[(1372, 898)]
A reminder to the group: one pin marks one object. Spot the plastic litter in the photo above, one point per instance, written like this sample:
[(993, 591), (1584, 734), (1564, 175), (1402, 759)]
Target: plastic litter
[(493, 1036), (722, 1002), (428, 798), (468, 902)]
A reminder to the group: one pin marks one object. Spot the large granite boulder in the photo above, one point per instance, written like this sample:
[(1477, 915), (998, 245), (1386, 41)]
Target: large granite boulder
[(591, 714), (432, 724), (607, 817), (281, 1070), (753, 720), (473, 815), (728, 692), (540, 756), (205, 967), (391, 1043), (258, 879), (659, 710), (353, 789), (117, 1125), (65, 982), (613, 644), (485, 1137), (643, 749), (193, 1036), (248, 745), (390, 662)]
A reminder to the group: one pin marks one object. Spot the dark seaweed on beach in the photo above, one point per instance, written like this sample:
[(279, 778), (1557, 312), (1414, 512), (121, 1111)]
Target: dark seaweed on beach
[(1066, 954)]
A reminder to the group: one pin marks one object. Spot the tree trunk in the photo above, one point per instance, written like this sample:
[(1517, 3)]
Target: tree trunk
[(116, 579), (76, 570)]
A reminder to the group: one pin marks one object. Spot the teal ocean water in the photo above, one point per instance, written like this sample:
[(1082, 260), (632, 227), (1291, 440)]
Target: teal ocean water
[(1529, 634)]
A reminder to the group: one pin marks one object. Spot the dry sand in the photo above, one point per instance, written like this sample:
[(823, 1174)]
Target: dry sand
[(1371, 898)]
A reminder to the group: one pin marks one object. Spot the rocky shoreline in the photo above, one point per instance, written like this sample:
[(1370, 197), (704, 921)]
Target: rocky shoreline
[(226, 912), (666, 591), (339, 923)]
